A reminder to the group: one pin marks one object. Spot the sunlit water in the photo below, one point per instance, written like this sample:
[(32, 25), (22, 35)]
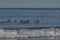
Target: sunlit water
[(48, 18)]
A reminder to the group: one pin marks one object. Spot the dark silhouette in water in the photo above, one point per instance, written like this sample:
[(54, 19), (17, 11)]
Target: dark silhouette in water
[(15, 21), (8, 21), (24, 21), (37, 21)]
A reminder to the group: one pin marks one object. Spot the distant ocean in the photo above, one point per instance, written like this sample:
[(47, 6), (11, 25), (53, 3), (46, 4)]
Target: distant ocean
[(47, 18)]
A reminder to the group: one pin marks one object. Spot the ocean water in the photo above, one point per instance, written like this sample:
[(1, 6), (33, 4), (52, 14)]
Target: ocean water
[(47, 18)]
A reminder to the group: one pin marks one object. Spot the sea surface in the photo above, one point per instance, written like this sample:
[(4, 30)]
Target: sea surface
[(47, 18)]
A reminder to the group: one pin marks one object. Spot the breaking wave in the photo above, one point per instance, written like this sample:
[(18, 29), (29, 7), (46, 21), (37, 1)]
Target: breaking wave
[(29, 32)]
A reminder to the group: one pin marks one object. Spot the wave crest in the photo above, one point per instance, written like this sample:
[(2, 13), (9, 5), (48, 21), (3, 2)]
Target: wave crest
[(29, 32)]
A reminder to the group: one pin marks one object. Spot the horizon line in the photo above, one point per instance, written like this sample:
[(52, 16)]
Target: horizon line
[(29, 8)]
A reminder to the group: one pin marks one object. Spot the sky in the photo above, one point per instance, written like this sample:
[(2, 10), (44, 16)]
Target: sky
[(29, 3)]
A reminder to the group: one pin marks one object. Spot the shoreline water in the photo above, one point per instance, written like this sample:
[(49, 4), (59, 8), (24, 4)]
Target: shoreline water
[(49, 26), (52, 32)]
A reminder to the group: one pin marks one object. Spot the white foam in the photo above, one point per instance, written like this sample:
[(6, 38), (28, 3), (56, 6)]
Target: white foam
[(29, 33)]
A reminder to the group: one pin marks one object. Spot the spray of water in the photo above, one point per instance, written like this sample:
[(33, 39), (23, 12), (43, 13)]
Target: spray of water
[(29, 33)]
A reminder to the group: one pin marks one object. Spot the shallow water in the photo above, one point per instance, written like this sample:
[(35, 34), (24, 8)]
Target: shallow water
[(30, 34), (40, 38)]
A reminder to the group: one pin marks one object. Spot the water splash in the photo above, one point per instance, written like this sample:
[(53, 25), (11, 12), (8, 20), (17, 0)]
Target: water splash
[(29, 32)]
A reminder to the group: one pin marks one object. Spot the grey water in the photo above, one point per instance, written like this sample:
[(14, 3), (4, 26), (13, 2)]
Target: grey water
[(48, 18)]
